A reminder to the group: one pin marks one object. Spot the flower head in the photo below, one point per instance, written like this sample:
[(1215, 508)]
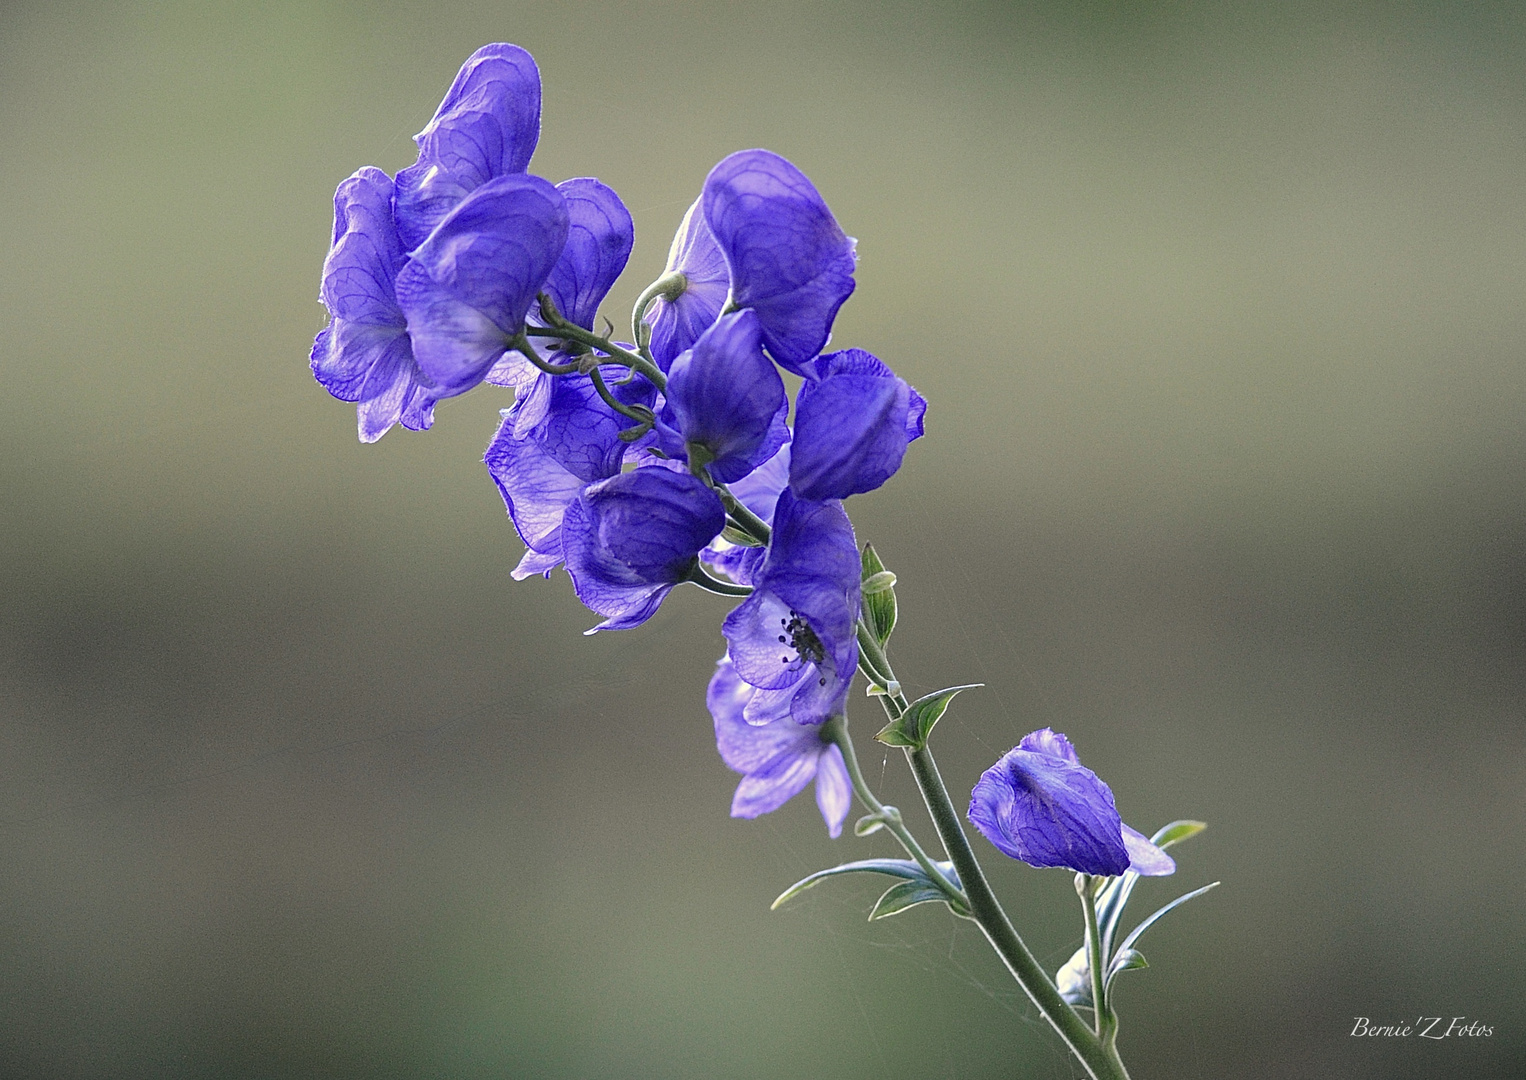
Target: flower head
[(1041, 805), (794, 638), (629, 539), (726, 400), (787, 258), (776, 759), (853, 420)]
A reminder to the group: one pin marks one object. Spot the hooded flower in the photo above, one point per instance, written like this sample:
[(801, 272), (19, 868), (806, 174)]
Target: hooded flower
[(486, 127), (629, 539), (777, 759), (550, 446), (726, 400), (466, 289), (794, 638), (1041, 805), (785, 254), (853, 420), (364, 354), (678, 323)]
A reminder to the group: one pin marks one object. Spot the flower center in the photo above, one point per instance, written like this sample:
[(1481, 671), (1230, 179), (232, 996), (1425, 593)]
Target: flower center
[(799, 636)]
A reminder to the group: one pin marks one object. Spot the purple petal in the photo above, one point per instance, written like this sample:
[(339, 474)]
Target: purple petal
[(465, 291), (629, 539), (364, 355), (677, 324), (788, 259), (853, 419), (599, 238), (1047, 811), (486, 127), (834, 791), (1048, 741), (727, 397), (1145, 859), (536, 489)]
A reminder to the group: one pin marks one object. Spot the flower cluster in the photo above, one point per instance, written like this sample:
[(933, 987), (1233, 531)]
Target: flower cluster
[(466, 269)]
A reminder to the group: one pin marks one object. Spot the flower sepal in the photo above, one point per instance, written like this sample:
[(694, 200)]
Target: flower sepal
[(879, 595)]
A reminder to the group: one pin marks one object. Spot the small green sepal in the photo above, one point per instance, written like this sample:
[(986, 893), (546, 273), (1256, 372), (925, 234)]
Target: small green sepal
[(912, 727), (879, 595)]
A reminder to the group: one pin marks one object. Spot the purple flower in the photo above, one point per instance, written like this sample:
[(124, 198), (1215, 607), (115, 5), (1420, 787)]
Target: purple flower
[(678, 323), (794, 638), (486, 127), (853, 420), (727, 400), (599, 238), (551, 445), (787, 258), (1041, 805), (466, 290), (364, 354), (776, 759), (629, 539)]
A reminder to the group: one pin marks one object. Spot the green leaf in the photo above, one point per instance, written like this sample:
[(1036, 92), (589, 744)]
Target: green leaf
[(901, 868), (879, 598), (869, 823), (906, 894), (1126, 960), (737, 536), (1128, 942), (1176, 832), (914, 725)]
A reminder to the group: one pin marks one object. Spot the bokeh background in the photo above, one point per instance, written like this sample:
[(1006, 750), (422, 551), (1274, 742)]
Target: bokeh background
[(1220, 311)]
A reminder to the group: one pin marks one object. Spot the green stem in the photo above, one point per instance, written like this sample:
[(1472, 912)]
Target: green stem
[(699, 576), (1101, 1060), (987, 911), (670, 287), (1107, 1026), (835, 730)]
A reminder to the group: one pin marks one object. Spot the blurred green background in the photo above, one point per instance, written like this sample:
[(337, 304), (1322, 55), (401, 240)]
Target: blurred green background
[(1219, 309)]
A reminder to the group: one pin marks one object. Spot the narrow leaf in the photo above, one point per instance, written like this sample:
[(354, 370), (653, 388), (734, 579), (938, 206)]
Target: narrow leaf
[(1128, 942), (913, 726), (901, 868), (906, 894), (1127, 960), (1176, 832)]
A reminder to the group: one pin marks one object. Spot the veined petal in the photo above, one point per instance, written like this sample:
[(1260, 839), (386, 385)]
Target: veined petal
[(853, 420), (536, 488), (465, 291), (834, 791), (629, 539), (1047, 811), (1145, 859), (599, 238), (486, 127), (1049, 741), (727, 397), (677, 324), (787, 258)]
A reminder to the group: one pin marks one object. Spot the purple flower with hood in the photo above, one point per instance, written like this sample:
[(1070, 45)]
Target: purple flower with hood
[(777, 759), (1041, 805), (759, 237), (853, 420), (725, 401), (629, 539), (678, 323), (486, 127), (466, 289), (787, 258), (364, 354), (794, 638), (550, 446)]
